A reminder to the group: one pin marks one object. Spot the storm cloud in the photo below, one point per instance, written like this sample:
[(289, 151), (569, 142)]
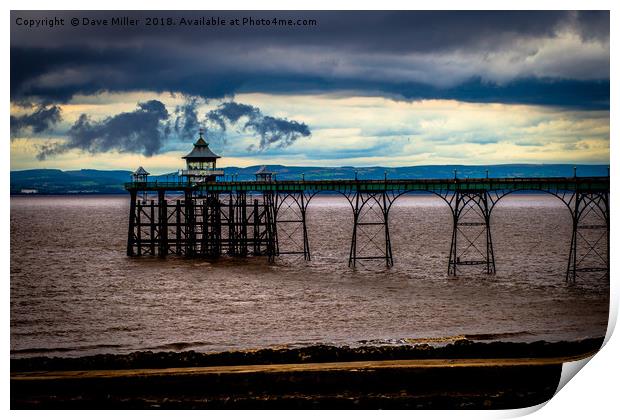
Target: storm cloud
[(532, 57), (232, 112), (141, 131), (186, 121), (42, 119), (147, 129), (273, 132)]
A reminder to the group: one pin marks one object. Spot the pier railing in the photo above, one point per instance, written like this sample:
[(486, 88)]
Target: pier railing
[(461, 184)]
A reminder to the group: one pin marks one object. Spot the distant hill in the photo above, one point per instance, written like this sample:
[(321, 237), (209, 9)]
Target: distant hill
[(55, 181), (92, 181), (425, 171)]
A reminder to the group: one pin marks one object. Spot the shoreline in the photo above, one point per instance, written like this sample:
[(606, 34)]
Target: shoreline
[(458, 349)]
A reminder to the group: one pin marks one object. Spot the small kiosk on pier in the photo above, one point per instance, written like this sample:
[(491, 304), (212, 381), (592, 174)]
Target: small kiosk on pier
[(264, 174), (140, 175)]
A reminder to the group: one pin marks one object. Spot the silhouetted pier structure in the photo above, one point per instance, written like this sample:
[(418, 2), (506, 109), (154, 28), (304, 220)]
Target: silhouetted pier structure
[(207, 218)]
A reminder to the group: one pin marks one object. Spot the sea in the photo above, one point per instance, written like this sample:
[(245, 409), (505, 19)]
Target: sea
[(74, 292)]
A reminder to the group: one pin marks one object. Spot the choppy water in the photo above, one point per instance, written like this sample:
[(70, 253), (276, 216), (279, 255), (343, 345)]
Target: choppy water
[(74, 292)]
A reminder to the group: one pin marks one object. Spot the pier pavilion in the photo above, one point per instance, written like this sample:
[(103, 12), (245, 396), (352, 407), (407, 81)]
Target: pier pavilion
[(201, 163)]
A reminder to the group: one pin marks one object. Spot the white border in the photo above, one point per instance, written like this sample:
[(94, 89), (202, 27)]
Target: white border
[(592, 393)]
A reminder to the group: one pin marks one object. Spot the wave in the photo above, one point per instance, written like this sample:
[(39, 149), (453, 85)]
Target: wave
[(178, 346), (472, 337), (497, 336), (195, 345), (428, 340), (43, 350)]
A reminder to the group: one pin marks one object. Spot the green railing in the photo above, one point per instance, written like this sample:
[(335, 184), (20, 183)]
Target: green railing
[(436, 185)]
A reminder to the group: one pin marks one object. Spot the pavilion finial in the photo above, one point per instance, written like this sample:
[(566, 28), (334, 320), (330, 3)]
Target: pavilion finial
[(201, 132)]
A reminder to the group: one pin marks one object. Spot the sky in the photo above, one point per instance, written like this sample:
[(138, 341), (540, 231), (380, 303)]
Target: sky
[(344, 89)]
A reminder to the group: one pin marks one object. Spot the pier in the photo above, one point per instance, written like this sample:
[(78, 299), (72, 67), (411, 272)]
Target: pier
[(209, 218)]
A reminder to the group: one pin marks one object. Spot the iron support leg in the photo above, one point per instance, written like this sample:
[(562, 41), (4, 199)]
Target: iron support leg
[(590, 233), (163, 223), (132, 222), (370, 218), (190, 237), (471, 225)]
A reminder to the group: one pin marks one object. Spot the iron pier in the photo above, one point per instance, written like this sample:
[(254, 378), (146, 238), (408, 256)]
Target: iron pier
[(210, 219)]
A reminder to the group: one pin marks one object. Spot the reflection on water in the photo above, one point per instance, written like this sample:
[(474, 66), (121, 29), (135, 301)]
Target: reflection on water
[(74, 292)]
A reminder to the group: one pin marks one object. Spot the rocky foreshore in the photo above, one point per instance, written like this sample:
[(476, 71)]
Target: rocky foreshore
[(465, 349)]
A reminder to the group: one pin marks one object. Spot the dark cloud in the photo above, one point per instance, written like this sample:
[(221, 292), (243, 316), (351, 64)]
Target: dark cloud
[(146, 129), (232, 112), (141, 131), (592, 25), (30, 65), (186, 122), (42, 119), (277, 131), (564, 93), (273, 132), (394, 31), (413, 54), (55, 75)]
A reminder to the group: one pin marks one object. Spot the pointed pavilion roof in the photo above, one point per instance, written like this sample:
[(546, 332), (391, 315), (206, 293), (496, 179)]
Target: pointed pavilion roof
[(141, 171), (201, 150)]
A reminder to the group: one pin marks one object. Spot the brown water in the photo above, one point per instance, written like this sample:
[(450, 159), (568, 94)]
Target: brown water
[(74, 292)]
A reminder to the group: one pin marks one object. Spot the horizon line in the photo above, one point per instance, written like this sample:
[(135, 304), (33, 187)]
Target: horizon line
[(337, 167)]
